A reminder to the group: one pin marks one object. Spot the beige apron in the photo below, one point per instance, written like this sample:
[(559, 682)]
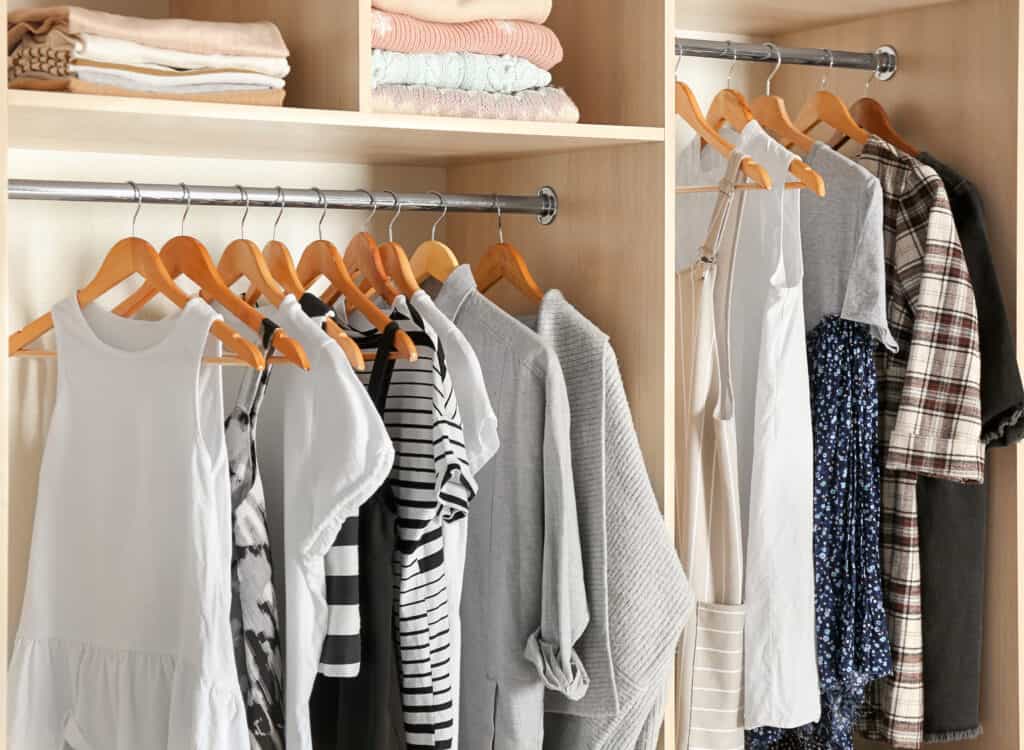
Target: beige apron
[(709, 526)]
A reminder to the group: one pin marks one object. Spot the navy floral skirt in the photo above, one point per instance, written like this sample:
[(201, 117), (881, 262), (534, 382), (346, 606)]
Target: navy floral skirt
[(853, 640)]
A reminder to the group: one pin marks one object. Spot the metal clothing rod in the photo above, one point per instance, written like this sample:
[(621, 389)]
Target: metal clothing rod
[(883, 60), (544, 205)]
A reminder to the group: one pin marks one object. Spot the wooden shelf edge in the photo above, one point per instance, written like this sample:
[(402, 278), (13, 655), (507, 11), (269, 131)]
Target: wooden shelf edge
[(480, 135)]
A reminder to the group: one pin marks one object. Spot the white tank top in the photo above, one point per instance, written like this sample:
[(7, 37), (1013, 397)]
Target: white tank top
[(124, 641)]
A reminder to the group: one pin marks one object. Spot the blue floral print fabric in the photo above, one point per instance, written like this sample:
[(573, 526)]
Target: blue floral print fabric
[(853, 640)]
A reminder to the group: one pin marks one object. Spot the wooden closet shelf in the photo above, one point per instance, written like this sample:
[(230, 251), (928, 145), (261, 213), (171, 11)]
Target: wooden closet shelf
[(780, 16), (108, 124)]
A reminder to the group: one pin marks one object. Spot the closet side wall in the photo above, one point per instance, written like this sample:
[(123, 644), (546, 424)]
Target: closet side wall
[(5, 494), (955, 95)]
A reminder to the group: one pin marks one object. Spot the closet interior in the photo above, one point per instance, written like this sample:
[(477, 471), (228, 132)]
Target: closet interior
[(611, 173), (610, 248), (954, 92)]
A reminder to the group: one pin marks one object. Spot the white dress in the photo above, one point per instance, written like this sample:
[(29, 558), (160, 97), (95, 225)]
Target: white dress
[(125, 639), (773, 430)]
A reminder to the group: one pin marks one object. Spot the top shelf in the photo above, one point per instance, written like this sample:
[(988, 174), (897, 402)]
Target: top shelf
[(780, 16), (106, 124)]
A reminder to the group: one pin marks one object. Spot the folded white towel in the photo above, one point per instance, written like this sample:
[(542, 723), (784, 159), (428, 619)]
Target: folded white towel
[(175, 83), (110, 50)]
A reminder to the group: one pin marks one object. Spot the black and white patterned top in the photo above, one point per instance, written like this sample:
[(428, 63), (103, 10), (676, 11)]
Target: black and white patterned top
[(429, 484), (254, 621)]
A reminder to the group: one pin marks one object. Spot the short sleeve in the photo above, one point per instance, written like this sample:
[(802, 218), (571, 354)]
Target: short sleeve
[(350, 451), (455, 485), (865, 298), (938, 425)]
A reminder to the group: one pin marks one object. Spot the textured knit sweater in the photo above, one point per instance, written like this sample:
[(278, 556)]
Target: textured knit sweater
[(638, 595)]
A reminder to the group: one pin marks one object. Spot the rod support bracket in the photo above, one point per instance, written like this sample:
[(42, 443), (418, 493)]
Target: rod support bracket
[(888, 62), (550, 211)]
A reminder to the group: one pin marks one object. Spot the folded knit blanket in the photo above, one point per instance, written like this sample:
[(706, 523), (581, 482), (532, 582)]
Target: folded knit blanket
[(202, 37), (539, 105), (460, 11), (261, 97), (458, 70), (398, 33)]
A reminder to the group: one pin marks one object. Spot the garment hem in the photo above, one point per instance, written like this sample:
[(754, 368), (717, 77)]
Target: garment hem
[(954, 735)]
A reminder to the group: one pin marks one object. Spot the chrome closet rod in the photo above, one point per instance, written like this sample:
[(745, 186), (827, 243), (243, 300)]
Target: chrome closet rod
[(544, 205), (883, 60)]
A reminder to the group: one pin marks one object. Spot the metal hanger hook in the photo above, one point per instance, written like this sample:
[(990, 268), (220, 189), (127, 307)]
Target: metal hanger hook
[(373, 207), (323, 212), (138, 203), (778, 64), (828, 73), (280, 195), (728, 78), (186, 194), (398, 212), (501, 232), (679, 59), (244, 195), (874, 73), (444, 213)]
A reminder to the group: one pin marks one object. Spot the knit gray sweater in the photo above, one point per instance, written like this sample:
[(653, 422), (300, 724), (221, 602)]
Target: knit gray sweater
[(637, 593)]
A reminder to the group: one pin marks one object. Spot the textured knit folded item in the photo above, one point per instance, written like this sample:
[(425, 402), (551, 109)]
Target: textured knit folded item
[(539, 105), (460, 11), (140, 79), (398, 33), (111, 50), (458, 70), (261, 39), (259, 97)]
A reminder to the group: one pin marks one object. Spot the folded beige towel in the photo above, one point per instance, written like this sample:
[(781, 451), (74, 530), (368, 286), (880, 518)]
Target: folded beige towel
[(261, 97), (201, 37), (461, 11)]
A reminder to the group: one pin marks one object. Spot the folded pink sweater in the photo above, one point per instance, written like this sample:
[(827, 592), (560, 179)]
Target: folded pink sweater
[(399, 33)]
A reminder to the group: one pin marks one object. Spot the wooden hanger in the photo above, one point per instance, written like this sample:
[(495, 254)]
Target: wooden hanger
[(187, 255), (272, 274), (362, 256), (128, 257), (688, 108), (871, 115), (396, 262), (434, 259), (504, 261), (825, 107), (322, 258), (770, 111)]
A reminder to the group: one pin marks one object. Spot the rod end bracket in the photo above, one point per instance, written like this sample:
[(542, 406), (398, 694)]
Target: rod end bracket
[(550, 211), (888, 62)]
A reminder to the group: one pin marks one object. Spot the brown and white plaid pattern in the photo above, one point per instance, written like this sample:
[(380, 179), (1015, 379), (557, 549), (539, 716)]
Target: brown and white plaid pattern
[(930, 410)]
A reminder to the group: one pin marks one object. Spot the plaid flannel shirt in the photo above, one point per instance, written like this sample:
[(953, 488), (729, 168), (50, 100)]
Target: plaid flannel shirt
[(930, 410)]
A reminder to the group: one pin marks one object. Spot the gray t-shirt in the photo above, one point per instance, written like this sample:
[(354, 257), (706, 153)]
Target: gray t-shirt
[(843, 251)]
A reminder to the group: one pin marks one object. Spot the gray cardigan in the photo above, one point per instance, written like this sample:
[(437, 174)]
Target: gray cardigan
[(638, 594), (524, 604)]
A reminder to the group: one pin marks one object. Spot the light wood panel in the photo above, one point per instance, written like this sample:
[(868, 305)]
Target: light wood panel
[(614, 58), (69, 122), (956, 95), (322, 36), (780, 16), (4, 408)]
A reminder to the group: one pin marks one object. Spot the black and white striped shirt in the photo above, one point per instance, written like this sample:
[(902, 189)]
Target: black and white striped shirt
[(430, 483)]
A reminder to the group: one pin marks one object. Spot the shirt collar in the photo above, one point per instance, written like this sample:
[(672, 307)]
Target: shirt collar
[(456, 289)]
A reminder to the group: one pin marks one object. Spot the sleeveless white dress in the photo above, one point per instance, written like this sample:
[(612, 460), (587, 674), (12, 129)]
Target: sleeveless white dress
[(125, 639)]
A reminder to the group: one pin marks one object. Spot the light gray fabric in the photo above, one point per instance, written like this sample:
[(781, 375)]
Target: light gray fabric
[(524, 604), (843, 251), (638, 594)]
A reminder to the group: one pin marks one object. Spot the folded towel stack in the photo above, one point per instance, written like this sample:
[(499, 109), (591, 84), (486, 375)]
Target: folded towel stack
[(467, 58), (74, 49)]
